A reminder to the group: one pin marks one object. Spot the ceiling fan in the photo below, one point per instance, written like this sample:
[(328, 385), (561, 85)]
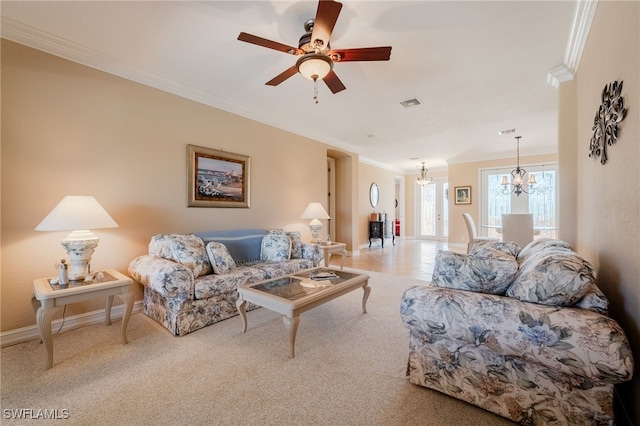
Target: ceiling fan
[(315, 55)]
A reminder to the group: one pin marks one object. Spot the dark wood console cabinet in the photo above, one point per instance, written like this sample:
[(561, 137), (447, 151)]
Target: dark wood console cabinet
[(379, 229)]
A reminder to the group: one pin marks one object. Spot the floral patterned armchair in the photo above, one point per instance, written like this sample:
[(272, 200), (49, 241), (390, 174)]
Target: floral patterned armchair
[(532, 344)]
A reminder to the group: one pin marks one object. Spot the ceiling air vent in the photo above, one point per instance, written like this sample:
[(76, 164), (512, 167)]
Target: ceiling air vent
[(409, 103)]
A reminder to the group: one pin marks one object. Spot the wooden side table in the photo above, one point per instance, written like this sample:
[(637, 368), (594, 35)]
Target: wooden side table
[(52, 296), (334, 248)]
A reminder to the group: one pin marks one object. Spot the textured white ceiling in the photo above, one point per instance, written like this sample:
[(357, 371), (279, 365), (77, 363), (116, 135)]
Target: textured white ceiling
[(477, 67)]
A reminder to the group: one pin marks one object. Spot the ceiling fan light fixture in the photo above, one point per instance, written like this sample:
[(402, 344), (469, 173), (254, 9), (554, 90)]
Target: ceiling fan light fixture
[(314, 66)]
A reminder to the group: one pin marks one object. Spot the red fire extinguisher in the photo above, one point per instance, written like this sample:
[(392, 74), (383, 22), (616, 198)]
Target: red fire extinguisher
[(397, 227)]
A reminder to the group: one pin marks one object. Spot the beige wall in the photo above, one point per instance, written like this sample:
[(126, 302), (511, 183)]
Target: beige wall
[(347, 206), (385, 180), (465, 174), (71, 130), (568, 170), (608, 203)]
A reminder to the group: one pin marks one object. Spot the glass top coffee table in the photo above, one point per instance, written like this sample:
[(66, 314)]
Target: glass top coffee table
[(294, 294)]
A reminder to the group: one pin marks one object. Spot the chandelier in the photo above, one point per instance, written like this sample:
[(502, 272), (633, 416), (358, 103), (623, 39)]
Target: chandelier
[(423, 179), (518, 177)]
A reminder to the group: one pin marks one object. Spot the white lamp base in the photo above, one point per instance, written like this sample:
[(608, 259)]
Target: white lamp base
[(80, 246), (315, 226)]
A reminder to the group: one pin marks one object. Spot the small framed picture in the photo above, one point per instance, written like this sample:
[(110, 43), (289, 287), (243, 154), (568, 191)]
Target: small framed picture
[(217, 178), (463, 194)]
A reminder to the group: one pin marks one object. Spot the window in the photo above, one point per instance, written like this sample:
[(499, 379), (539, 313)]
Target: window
[(542, 201)]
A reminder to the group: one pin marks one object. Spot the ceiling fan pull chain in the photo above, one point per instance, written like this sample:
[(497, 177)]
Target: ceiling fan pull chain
[(315, 90)]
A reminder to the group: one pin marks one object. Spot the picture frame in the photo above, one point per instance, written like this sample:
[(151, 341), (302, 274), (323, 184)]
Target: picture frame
[(463, 194), (217, 178)]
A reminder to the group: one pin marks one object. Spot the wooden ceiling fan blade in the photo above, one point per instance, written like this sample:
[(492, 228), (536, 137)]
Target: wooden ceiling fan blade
[(382, 53), (333, 82), (282, 76), (326, 18), (270, 44)]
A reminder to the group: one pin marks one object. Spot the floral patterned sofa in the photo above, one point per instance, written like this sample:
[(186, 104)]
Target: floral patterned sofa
[(190, 280), (524, 334)]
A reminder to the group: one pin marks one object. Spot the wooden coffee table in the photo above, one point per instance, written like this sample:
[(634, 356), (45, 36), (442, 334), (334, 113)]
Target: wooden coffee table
[(291, 295)]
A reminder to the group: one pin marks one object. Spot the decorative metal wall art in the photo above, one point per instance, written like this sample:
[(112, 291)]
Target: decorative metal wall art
[(605, 125)]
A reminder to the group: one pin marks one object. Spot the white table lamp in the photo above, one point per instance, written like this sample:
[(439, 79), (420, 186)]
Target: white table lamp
[(315, 211), (78, 214)]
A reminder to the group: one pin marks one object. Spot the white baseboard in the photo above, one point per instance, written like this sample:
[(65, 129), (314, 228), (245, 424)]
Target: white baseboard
[(20, 335)]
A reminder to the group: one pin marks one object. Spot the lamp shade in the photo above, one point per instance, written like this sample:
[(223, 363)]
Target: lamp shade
[(77, 212), (315, 211)]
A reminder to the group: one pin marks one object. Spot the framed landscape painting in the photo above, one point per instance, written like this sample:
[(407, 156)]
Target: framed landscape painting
[(463, 194), (217, 178)]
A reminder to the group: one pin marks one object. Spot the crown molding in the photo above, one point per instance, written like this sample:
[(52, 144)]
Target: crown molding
[(559, 75), (374, 163), (582, 19)]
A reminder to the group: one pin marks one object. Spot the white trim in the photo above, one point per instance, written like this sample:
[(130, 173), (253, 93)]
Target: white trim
[(378, 164), (585, 10), (559, 75), (25, 334)]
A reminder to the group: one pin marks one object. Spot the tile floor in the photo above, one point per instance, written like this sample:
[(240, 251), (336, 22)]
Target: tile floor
[(410, 258)]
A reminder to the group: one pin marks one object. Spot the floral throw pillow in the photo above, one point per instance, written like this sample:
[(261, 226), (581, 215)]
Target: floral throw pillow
[(186, 249), (275, 248), (296, 241), (541, 244), (220, 259), (594, 300), (491, 248), (557, 277), (296, 244), (484, 274)]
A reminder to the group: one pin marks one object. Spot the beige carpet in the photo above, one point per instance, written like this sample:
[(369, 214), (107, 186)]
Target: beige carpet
[(349, 369)]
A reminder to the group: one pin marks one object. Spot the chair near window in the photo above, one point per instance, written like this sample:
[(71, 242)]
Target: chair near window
[(517, 227), (473, 233)]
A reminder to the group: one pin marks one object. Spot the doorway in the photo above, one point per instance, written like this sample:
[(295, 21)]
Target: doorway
[(399, 225), (432, 210)]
